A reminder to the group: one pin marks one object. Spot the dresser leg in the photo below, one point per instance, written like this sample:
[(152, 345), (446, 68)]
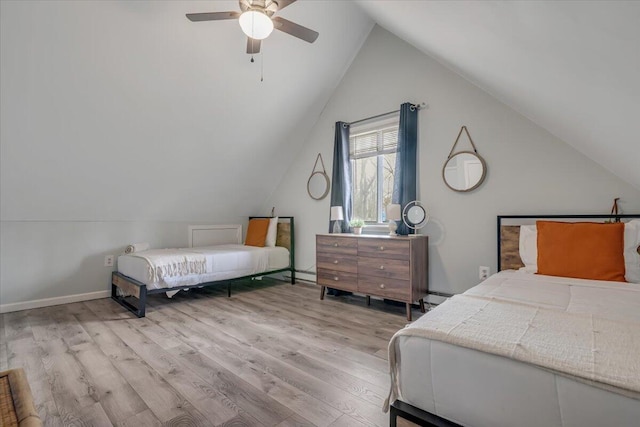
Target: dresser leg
[(409, 312), (422, 305), (321, 292), (368, 300)]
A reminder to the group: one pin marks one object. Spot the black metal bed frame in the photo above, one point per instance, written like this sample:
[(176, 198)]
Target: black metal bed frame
[(140, 291), (424, 418), (416, 416)]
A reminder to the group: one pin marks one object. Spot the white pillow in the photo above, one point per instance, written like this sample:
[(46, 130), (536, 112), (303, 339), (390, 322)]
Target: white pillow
[(631, 256), (272, 233), (529, 248)]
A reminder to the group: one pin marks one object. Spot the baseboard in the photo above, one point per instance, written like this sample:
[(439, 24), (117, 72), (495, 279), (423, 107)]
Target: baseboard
[(48, 302)]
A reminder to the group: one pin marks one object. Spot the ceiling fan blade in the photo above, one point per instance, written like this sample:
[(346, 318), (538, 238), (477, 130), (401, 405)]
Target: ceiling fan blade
[(283, 3), (294, 29), (212, 16), (253, 45)]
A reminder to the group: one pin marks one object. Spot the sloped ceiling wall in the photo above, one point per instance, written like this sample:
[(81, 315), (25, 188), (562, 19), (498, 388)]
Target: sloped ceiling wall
[(95, 93), (572, 67), (126, 110)]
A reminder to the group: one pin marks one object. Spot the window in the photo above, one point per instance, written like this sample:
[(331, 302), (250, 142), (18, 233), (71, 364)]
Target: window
[(372, 150)]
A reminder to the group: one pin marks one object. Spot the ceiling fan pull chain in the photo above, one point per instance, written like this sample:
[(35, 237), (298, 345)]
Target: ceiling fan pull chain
[(262, 65), (252, 39)]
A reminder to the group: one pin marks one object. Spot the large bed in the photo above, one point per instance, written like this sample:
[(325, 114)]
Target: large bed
[(523, 349), (201, 264)]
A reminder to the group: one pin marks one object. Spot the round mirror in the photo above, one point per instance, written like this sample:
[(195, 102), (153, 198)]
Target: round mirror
[(415, 215), (464, 171), (318, 185)]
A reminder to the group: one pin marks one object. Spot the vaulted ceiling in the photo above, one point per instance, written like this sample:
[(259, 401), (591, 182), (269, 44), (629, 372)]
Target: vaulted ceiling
[(127, 88), (130, 101), (572, 67)]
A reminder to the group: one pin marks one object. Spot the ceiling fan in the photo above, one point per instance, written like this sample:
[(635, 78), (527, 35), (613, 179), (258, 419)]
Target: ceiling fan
[(257, 21)]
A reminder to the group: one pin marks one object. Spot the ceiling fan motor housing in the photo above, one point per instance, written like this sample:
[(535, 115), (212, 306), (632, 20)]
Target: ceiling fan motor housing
[(268, 7)]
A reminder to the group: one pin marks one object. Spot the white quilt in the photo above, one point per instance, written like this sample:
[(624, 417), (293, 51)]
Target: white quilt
[(584, 329), (165, 263), (221, 262)]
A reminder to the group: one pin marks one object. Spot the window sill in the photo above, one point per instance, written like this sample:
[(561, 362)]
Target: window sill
[(376, 229)]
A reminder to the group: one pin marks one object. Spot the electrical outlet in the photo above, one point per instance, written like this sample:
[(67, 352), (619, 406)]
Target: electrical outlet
[(484, 272), (108, 261)]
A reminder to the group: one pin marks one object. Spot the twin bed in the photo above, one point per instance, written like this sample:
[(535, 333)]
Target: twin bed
[(524, 349), (202, 264)]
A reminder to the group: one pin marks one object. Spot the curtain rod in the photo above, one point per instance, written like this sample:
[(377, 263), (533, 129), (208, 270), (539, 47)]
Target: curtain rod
[(418, 106)]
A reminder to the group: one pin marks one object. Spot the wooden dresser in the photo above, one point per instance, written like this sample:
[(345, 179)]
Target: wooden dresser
[(383, 266)]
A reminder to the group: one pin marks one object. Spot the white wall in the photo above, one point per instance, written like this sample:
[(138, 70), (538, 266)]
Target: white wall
[(47, 259), (529, 170), (123, 121)]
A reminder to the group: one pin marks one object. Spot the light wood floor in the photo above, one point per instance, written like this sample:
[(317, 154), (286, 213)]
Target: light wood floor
[(271, 355)]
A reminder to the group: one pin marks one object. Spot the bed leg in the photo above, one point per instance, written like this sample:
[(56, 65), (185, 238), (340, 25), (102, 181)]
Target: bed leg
[(408, 311), (368, 299), (322, 288), (142, 302), (393, 417), (140, 295), (422, 305), (293, 277), (416, 416), (228, 289)]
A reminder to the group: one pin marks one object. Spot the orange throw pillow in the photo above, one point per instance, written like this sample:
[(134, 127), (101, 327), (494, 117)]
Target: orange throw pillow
[(257, 232), (585, 250)]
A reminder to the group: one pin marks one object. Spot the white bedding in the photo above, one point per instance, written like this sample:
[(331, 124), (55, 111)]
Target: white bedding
[(474, 388), (222, 262)]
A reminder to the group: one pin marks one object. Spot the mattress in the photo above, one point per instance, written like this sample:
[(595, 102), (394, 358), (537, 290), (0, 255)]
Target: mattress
[(473, 388), (222, 262)]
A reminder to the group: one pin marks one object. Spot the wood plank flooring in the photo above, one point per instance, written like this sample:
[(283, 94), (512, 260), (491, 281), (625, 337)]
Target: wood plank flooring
[(271, 355)]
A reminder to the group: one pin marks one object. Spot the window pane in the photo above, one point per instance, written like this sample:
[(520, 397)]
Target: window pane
[(365, 185), (388, 172), (363, 144), (390, 139)]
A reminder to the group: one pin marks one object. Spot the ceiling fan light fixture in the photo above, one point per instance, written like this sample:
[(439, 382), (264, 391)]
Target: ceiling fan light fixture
[(256, 24)]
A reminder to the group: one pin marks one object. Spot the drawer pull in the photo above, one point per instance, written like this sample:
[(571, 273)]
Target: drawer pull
[(335, 261), (382, 267), (335, 278), (381, 285), (335, 244), (382, 248)]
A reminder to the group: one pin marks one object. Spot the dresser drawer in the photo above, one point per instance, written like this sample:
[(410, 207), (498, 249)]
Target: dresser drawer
[(337, 245), (337, 279), (386, 248), (331, 261), (389, 288), (384, 267)]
